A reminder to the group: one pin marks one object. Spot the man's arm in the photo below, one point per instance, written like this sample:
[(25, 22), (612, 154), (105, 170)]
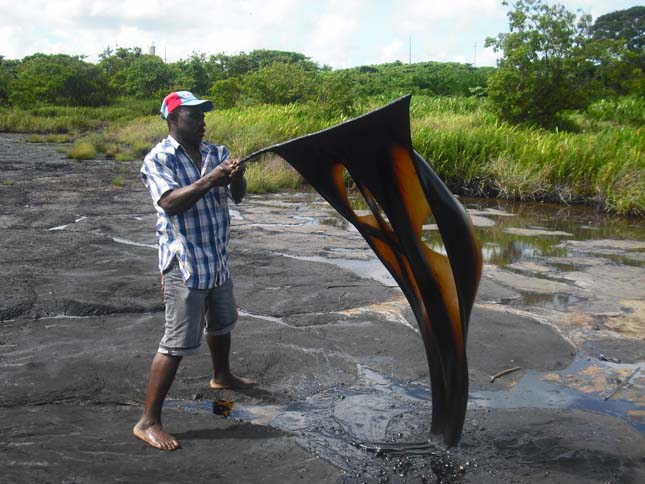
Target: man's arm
[(181, 199)]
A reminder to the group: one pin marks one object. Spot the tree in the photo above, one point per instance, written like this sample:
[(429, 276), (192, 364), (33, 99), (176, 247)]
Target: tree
[(225, 93), (280, 83), (623, 32), (547, 63), (8, 70), (148, 76), (114, 61), (132, 73), (222, 66), (626, 25), (337, 95), (58, 79), (192, 74)]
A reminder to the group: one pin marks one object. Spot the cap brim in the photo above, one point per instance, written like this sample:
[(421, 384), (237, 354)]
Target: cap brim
[(205, 104)]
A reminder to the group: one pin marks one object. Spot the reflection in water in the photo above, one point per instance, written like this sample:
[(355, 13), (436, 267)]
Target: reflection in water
[(558, 302), (500, 248), (550, 255)]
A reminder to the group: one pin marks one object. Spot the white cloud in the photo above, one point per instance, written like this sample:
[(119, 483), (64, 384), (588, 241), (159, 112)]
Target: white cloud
[(392, 52), (333, 40), (339, 33)]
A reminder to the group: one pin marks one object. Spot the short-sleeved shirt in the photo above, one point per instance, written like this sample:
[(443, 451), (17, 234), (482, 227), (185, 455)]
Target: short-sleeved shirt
[(198, 238)]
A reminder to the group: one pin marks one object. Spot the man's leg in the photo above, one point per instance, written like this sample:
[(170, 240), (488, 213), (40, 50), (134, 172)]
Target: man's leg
[(220, 347), (149, 428)]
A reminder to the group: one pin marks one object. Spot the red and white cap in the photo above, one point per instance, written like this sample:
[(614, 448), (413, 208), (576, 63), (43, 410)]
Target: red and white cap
[(182, 98)]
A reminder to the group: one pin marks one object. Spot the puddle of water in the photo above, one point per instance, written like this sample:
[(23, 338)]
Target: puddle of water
[(542, 219), (539, 235), (533, 391), (365, 409), (565, 267), (367, 269), (558, 302), (341, 423), (581, 222)]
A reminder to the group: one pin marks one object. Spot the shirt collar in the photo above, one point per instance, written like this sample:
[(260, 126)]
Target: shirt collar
[(176, 144)]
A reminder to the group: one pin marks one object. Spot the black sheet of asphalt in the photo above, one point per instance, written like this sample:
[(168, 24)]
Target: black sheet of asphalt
[(81, 315)]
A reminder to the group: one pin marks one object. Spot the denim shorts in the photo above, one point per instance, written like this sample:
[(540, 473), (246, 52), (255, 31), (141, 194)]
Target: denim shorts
[(191, 312)]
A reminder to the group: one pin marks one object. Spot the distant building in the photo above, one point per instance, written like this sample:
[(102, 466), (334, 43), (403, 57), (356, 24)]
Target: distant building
[(151, 49)]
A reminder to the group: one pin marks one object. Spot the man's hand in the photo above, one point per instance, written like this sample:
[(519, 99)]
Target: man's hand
[(229, 172), (221, 175), (238, 182), (238, 169)]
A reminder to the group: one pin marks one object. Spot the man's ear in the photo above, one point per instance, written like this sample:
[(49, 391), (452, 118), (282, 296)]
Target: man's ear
[(171, 120)]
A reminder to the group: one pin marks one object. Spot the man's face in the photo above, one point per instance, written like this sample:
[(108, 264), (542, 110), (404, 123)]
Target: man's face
[(189, 124)]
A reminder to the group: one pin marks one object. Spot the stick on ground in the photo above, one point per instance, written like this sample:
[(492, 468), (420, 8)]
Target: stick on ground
[(505, 372)]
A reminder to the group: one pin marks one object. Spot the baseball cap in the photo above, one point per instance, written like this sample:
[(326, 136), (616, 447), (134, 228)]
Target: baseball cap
[(182, 98)]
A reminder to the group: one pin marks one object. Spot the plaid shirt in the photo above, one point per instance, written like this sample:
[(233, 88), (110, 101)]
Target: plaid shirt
[(199, 236)]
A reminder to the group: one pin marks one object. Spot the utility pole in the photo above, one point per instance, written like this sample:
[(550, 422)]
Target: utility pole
[(475, 55), (410, 51)]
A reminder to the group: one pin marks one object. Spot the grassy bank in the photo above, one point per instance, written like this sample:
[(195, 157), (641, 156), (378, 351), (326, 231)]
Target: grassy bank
[(600, 162), (51, 120)]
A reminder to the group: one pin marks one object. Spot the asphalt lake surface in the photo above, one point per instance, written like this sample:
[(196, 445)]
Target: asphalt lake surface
[(343, 389)]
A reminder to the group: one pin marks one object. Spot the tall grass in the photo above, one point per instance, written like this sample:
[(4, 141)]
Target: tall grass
[(245, 130), (66, 119), (478, 155), (271, 175), (625, 110), (601, 164)]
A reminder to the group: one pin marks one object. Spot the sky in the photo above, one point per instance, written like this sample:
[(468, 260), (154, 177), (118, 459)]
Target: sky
[(337, 33)]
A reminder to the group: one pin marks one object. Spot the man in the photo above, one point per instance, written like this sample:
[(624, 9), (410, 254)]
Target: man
[(190, 181)]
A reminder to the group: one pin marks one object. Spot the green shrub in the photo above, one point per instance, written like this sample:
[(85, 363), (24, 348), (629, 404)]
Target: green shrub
[(124, 156), (628, 109), (82, 150)]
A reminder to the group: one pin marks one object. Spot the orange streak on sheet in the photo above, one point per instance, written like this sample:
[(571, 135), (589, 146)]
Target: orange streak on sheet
[(418, 209)]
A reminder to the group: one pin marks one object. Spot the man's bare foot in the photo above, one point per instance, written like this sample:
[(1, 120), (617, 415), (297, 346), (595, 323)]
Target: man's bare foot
[(221, 382), (155, 436)]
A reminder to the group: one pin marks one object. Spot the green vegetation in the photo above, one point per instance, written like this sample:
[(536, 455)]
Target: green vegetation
[(82, 150), (628, 110), (626, 29), (553, 63), (48, 119), (271, 175), (560, 119), (59, 80), (602, 164)]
